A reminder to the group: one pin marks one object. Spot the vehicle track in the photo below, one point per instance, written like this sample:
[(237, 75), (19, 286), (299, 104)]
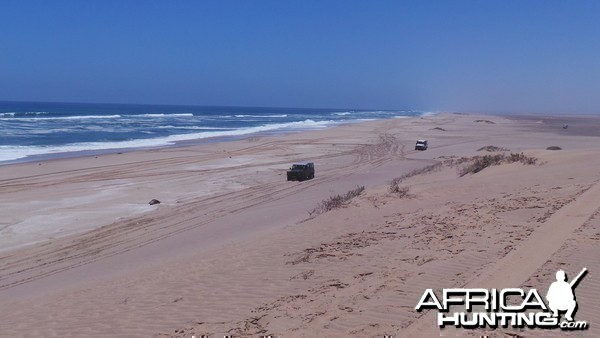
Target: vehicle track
[(126, 235), (521, 263)]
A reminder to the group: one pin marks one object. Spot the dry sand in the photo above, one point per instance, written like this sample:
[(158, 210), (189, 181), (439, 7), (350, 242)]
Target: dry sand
[(231, 248)]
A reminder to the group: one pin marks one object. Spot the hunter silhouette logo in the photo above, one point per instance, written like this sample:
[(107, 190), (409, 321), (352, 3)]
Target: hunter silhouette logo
[(509, 307), (561, 296)]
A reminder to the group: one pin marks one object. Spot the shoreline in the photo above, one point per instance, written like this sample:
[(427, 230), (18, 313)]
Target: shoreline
[(86, 160), (180, 143), (121, 155), (232, 248), (556, 120)]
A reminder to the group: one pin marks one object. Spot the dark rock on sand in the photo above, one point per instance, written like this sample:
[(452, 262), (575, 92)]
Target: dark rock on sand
[(153, 202)]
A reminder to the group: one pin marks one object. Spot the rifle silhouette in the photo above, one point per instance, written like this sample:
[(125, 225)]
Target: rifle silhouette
[(576, 280)]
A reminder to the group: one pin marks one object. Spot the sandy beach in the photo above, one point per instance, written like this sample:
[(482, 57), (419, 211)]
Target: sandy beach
[(233, 248)]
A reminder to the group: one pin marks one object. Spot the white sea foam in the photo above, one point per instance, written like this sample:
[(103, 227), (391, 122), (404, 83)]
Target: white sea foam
[(82, 117), (49, 131), (162, 115), (194, 127), (306, 124), (8, 153), (342, 114), (12, 113), (36, 113), (266, 116)]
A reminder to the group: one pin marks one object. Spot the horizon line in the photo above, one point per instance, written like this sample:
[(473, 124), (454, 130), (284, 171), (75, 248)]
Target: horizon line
[(203, 105)]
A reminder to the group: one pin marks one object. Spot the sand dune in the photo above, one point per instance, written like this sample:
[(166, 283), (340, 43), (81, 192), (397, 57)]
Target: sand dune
[(232, 249)]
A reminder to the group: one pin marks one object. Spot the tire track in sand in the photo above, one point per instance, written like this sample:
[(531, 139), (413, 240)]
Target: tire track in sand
[(514, 269), (126, 235)]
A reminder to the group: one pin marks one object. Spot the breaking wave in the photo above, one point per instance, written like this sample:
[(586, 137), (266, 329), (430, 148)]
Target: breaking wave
[(266, 116), (8, 153), (82, 117)]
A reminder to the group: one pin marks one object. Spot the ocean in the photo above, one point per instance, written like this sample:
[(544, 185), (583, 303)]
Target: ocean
[(34, 130)]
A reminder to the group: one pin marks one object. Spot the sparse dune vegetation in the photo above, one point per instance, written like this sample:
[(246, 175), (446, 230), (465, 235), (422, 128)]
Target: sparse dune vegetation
[(336, 201), (476, 164), (395, 187)]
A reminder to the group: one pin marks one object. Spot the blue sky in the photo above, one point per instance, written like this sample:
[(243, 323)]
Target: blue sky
[(488, 56)]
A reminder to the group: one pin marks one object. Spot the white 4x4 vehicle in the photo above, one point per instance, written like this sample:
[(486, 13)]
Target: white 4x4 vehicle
[(421, 145)]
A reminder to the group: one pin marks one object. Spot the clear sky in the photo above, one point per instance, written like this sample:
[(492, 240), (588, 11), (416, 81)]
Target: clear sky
[(491, 56)]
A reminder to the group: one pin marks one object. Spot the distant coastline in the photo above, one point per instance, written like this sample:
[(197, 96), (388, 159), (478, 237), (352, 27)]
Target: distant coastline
[(42, 130)]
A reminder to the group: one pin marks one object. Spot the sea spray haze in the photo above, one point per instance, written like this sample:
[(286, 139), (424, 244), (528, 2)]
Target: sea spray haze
[(60, 129)]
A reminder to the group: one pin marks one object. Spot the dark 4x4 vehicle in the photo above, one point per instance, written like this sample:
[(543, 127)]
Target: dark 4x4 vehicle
[(301, 171)]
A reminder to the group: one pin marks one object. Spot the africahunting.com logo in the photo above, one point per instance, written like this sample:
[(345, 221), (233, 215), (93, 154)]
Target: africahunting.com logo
[(511, 307)]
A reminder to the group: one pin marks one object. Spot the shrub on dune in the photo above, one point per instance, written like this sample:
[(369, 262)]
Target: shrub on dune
[(337, 201)]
